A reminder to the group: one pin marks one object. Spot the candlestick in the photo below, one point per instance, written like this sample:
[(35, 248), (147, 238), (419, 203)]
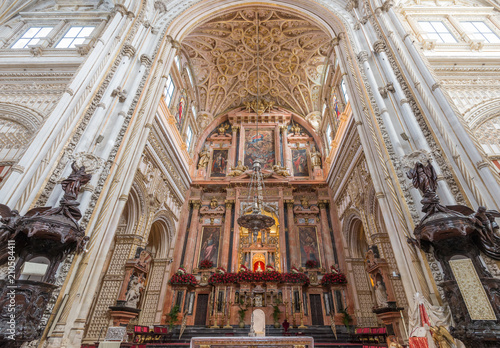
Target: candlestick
[(228, 316), (301, 305)]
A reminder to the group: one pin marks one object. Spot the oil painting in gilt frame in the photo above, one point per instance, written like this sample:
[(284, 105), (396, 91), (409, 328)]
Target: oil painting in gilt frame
[(299, 162), (209, 249), (259, 146), (219, 163), (308, 245)]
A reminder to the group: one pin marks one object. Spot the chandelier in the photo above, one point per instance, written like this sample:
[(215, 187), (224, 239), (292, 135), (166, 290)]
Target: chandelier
[(256, 221)]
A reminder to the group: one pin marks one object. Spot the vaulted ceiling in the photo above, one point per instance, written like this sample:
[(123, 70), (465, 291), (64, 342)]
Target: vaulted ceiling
[(293, 55)]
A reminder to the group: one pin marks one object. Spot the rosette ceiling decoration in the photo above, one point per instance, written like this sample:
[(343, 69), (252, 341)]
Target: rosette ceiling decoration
[(293, 57)]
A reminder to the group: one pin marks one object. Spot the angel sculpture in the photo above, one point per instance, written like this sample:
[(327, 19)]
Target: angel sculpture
[(279, 170), (238, 170), (423, 177)]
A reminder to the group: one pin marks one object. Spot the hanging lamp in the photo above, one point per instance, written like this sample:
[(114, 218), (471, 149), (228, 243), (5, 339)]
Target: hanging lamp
[(256, 221)]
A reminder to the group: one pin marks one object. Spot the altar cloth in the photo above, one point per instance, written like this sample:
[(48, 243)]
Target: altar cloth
[(250, 342)]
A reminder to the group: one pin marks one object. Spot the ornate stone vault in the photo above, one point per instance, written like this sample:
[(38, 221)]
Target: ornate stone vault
[(293, 58)]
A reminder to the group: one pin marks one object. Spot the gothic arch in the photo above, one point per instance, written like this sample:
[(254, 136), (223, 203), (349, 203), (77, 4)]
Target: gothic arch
[(356, 237), (160, 236)]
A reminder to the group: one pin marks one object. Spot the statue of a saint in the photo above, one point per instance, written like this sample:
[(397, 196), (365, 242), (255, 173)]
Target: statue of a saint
[(315, 158), (72, 184), (133, 294), (381, 294), (204, 158), (423, 177), (238, 170)]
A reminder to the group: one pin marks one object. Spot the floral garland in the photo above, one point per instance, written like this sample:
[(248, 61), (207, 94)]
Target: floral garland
[(333, 278), (301, 278), (265, 277), (183, 279), (223, 278)]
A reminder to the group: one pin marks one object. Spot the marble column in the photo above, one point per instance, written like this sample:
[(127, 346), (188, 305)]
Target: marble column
[(293, 244), (325, 232), (226, 234), (192, 237)]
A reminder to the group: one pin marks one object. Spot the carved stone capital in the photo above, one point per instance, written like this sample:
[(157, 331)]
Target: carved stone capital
[(146, 60), (379, 46), (363, 56), (196, 204), (235, 128), (128, 50), (160, 6), (17, 168), (387, 5)]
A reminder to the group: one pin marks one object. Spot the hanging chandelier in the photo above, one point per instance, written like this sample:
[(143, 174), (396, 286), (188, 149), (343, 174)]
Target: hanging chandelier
[(256, 221)]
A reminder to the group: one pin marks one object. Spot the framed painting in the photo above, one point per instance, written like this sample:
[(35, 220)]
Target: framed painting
[(308, 245), (219, 163), (209, 249), (299, 162), (259, 146)]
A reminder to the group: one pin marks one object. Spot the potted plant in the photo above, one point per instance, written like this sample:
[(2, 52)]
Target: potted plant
[(346, 319), (172, 317), (241, 312), (276, 313)]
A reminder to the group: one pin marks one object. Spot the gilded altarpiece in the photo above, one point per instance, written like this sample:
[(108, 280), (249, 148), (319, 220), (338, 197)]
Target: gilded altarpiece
[(234, 268)]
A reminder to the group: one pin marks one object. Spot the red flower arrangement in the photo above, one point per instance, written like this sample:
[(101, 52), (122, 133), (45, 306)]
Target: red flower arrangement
[(301, 278), (223, 278), (312, 264), (333, 278), (183, 279), (264, 277), (206, 264)]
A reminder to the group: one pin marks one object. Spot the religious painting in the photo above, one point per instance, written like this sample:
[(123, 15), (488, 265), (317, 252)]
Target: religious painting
[(219, 163), (299, 162), (259, 146), (308, 245), (209, 249)]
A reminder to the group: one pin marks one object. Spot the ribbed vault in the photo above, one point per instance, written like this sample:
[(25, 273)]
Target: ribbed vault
[(293, 58)]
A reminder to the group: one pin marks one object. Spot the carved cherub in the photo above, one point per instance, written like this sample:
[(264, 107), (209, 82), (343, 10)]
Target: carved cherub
[(238, 170), (222, 129), (214, 203)]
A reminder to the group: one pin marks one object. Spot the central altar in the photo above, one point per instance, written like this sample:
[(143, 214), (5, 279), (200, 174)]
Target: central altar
[(264, 342)]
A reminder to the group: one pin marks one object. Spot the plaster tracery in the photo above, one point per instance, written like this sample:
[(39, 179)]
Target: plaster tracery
[(293, 57)]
